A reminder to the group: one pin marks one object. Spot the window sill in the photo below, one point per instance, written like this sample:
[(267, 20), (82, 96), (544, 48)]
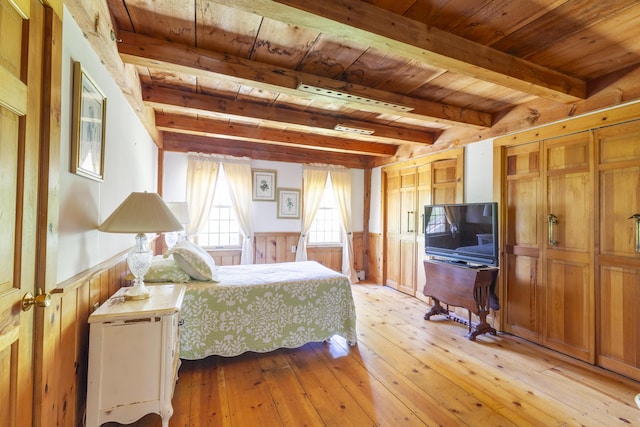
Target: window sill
[(324, 245), (221, 248)]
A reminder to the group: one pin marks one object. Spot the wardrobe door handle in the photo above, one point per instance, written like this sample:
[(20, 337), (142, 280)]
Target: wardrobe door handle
[(552, 220), (637, 218), (409, 229)]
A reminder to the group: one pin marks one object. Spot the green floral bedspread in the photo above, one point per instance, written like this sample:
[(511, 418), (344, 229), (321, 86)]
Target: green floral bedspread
[(262, 307)]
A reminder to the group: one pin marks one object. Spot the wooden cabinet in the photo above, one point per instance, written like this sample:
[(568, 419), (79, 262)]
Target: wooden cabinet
[(549, 242), (567, 251), (618, 256), (571, 269), (407, 188), (134, 356), (523, 224)]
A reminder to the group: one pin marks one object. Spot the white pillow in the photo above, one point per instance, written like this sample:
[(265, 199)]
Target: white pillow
[(194, 260), (164, 269)]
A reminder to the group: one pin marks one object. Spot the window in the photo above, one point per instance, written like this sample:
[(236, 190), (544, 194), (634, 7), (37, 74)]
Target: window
[(221, 229), (437, 222), (326, 227)]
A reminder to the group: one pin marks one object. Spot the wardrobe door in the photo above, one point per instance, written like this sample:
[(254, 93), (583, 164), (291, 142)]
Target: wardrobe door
[(524, 294), (424, 198), (446, 181), (569, 325), (392, 209), (408, 224), (618, 257)]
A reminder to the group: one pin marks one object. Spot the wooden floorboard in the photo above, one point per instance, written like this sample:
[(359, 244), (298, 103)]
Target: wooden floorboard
[(404, 371)]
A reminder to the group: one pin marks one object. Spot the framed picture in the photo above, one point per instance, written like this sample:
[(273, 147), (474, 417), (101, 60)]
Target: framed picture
[(288, 203), (88, 126), (264, 185)]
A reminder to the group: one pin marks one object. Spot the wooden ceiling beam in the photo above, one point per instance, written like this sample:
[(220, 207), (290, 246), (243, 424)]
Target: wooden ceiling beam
[(178, 58), (219, 107), (223, 130), (368, 25), (259, 151)]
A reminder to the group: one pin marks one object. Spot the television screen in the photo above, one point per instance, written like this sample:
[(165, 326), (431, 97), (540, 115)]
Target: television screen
[(462, 232)]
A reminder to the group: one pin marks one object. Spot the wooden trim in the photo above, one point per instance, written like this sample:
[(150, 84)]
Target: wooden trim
[(451, 153), (597, 120), (365, 221), (83, 277)]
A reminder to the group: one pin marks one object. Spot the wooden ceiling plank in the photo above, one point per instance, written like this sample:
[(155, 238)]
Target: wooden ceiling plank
[(173, 57), (494, 20), (281, 44), (258, 151), (330, 56), (225, 29), (173, 16), (369, 25), (221, 107), (575, 15), (614, 52), (223, 130)]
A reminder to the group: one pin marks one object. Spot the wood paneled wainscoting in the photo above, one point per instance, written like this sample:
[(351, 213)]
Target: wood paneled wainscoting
[(277, 247), (374, 258), (66, 339)]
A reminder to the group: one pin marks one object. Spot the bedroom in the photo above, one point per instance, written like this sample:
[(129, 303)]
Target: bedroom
[(76, 247)]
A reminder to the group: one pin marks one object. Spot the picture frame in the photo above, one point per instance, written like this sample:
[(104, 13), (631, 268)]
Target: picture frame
[(288, 203), (264, 184), (88, 126)]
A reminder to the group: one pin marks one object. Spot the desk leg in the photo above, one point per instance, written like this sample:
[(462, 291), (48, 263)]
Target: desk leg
[(482, 297), (436, 309)]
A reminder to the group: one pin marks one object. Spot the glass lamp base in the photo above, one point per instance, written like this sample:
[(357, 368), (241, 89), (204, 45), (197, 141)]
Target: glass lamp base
[(139, 261), (137, 292)]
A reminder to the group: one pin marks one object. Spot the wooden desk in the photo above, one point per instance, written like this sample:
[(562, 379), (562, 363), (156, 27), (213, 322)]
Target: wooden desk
[(462, 286)]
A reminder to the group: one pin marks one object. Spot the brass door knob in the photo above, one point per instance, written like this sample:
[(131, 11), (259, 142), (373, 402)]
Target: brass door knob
[(40, 300)]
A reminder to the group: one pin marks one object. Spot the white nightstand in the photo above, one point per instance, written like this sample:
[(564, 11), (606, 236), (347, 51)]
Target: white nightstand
[(134, 356)]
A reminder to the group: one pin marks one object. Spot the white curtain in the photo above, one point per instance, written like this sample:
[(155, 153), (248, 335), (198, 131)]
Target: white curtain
[(238, 174), (202, 173), (341, 183), (314, 181)]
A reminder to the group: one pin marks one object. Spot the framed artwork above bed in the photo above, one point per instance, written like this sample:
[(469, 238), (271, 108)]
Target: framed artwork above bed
[(264, 184), (288, 203), (88, 126)]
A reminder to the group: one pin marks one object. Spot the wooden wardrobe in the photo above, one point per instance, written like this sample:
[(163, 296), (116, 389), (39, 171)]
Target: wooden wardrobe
[(407, 187), (570, 231)]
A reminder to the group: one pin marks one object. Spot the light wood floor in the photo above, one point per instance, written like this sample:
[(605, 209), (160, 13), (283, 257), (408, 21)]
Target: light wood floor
[(404, 371)]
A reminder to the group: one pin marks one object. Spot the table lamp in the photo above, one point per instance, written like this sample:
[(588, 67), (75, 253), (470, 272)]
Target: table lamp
[(181, 212), (140, 213)]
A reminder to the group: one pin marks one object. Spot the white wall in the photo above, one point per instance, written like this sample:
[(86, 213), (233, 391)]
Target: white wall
[(265, 218), (375, 215), (478, 180), (130, 165), (478, 172)]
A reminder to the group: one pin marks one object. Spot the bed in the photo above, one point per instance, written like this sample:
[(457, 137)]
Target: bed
[(263, 307)]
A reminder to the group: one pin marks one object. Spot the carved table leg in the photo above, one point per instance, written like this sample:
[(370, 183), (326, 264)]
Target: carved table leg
[(436, 309), (482, 295)]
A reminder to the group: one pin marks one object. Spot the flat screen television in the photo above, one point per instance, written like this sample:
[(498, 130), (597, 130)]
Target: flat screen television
[(464, 233)]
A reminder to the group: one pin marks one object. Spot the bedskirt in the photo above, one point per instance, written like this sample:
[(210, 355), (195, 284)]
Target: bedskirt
[(263, 307)]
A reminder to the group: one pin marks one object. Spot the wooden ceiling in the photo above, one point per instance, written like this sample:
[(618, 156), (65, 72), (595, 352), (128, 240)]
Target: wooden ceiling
[(360, 83)]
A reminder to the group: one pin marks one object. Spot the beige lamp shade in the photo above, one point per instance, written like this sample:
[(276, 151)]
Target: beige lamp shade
[(141, 213), (180, 210)]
